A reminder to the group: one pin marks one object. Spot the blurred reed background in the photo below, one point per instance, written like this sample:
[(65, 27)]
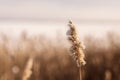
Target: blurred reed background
[(51, 59)]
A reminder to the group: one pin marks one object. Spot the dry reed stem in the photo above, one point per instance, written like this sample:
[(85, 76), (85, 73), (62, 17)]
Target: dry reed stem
[(76, 48), (27, 72), (108, 75)]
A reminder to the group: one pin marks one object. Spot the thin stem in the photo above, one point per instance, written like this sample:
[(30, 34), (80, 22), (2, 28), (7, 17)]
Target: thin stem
[(80, 73)]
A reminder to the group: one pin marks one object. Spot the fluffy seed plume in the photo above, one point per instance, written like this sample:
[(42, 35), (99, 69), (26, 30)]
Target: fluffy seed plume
[(77, 46), (27, 72)]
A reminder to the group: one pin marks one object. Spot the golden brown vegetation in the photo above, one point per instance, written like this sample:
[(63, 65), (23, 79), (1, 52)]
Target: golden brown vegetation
[(77, 48), (52, 60)]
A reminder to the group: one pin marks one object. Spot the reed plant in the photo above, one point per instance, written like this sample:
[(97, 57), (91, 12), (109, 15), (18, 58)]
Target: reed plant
[(76, 48), (27, 72)]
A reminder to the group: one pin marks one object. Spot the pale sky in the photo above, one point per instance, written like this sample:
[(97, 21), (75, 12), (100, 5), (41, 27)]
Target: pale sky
[(50, 16), (60, 9)]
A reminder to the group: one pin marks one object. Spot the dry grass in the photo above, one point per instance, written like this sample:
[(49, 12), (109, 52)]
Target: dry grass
[(27, 72), (77, 47), (52, 60)]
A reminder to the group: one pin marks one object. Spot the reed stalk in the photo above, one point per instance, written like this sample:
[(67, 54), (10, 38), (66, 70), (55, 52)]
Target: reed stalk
[(76, 48), (27, 72)]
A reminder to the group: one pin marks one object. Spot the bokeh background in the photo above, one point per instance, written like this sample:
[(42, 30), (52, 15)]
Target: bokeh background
[(38, 28)]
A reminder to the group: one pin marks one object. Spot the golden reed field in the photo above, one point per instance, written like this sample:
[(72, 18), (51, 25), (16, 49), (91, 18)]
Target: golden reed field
[(41, 58)]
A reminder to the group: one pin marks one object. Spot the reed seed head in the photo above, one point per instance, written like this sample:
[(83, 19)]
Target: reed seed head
[(77, 46)]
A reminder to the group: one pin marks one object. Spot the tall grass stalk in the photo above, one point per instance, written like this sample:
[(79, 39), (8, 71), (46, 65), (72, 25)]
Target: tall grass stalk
[(27, 72), (76, 48)]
